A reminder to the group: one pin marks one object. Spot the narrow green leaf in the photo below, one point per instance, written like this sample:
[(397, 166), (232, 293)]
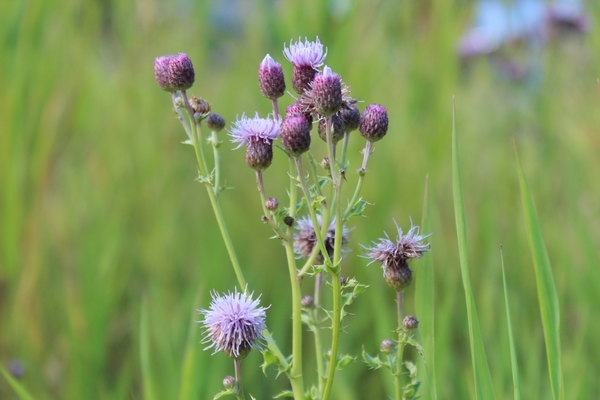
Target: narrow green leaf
[(20, 390), (149, 392), (511, 339), (546, 289), (188, 370), (424, 301), (484, 388)]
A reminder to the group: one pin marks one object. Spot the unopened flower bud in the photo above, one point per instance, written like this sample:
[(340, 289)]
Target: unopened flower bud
[(271, 204), (327, 92), (199, 106), (325, 163), (289, 221), (410, 322), (307, 302), (351, 117), (343, 280), (374, 123), (295, 134), (229, 382), (215, 122), (387, 346), (338, 129), (270, 78), (296, 109), (398, 278), (174, 72)]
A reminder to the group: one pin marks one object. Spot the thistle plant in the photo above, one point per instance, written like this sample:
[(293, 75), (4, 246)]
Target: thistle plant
[(312, 224)]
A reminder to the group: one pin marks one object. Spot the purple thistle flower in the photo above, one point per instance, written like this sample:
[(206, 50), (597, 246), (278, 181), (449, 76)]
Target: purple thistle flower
[(234, 324), (307, 54), (306, 58), (397, 255), (270, 78), (327, 92), (374, 123), (174, 72), (305, 241), (258, 134)]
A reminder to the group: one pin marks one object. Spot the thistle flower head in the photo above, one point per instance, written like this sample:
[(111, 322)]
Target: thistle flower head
[(174, 72), (374, 123), (305, 240), (295, 134), (270, 78), (258, 134), (327, 92), (234, 324), (397, 254), (307, 54), (215, 122), (351, 117), (306, 58)]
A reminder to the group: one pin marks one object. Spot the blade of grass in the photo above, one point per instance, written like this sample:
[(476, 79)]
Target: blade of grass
[(546, 289), (424, 300), (484, 388), (149, 392), (21, 392), (189, 370), (511, 339)]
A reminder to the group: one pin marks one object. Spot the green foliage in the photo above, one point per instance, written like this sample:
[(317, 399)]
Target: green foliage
[(100, 213)]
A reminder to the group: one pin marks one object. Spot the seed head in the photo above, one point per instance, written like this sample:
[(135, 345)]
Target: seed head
[(174, 72), (338, 128), (295, 134), (215, 122), (258, 134), (305, 240), (234, 324), (374, 123), (351, 117), (306, 58), (271, 79), (327, 92), (199, 106)]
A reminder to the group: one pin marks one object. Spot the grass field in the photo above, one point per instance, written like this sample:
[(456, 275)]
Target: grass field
[(101, 221)]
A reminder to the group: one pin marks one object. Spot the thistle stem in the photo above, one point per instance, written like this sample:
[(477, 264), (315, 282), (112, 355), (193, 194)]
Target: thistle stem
[(268, 215), (361, 176), (400, 350), (317, 331), (239, 388)]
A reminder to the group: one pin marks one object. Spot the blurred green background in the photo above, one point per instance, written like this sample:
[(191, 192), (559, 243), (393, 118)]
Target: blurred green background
[(100, 215)]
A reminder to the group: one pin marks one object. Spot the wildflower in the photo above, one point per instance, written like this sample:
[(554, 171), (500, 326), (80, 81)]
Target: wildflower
[(258, 134), (234, 324), (387, 346), (327, 92), (174, 72), (270, 78), (374, 123), (305, 241), (295, 134), (306, 58), (394, 257), (297, 108)]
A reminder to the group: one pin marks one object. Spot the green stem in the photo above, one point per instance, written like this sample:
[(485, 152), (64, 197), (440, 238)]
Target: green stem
[(335, 270), (239, 388), (317, 331), (268, 215), (214, 140), (361, 176), (400, 350)]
